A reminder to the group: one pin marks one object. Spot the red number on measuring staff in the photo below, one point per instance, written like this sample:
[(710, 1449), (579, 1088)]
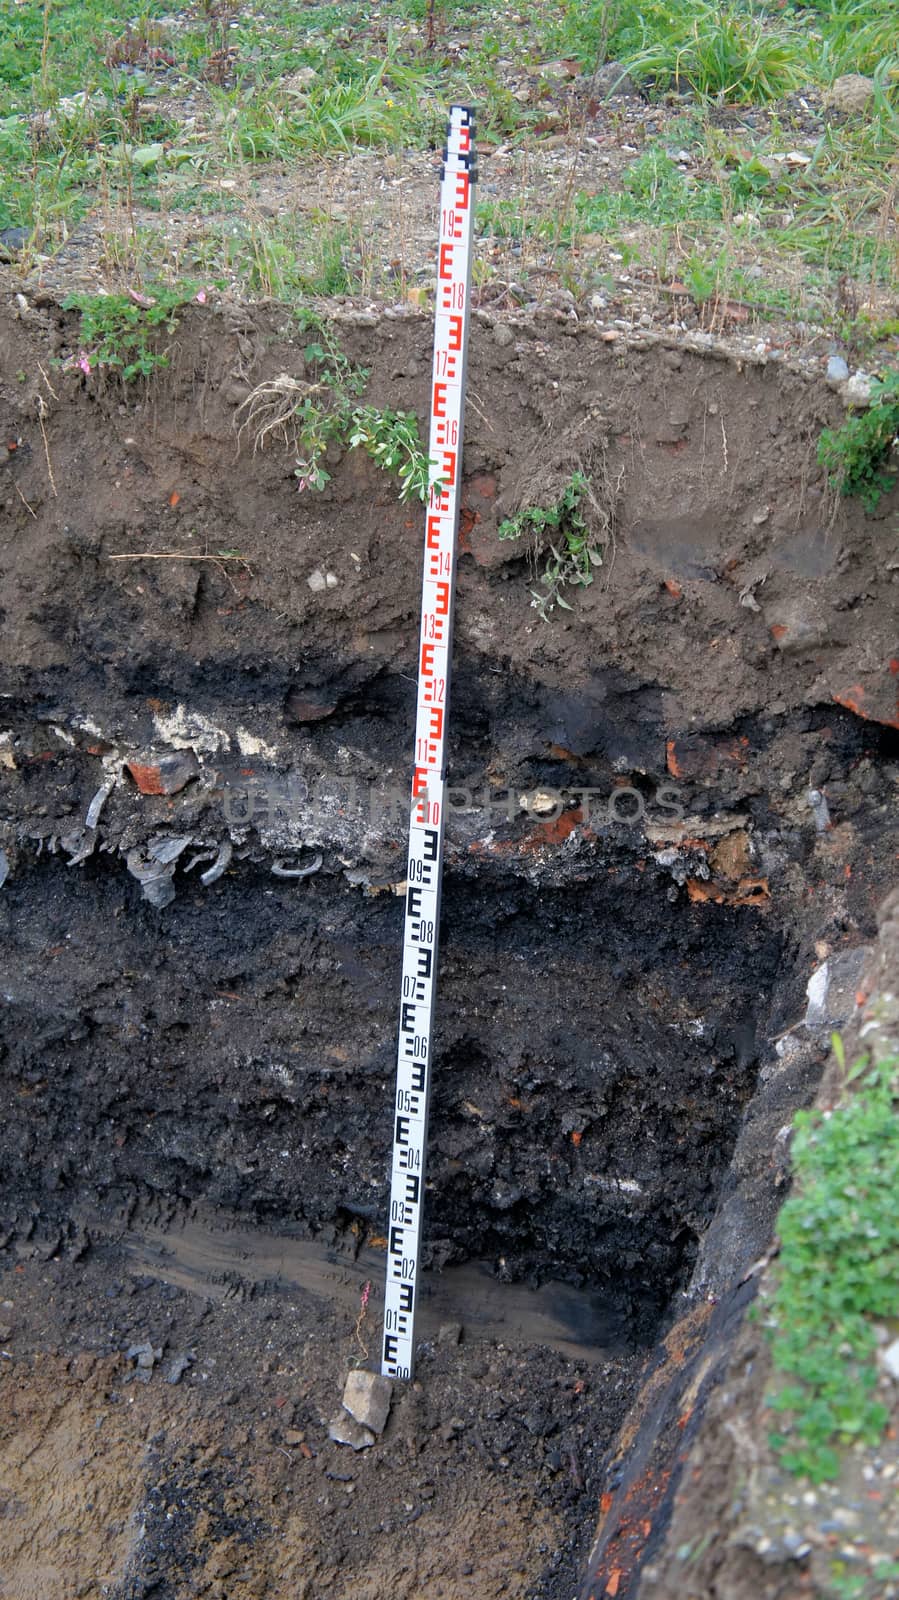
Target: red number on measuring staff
[(452, 298), (428, 811), (451, 224), (446, 432), (434, 691), (439, 561), (432, 626), (444, 367)]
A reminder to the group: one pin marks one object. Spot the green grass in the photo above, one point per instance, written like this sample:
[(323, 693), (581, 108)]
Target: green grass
[(836, 1273), (91, 119), (726, 53)]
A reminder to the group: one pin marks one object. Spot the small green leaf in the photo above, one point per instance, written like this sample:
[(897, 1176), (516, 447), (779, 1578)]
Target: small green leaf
[(145, 156)]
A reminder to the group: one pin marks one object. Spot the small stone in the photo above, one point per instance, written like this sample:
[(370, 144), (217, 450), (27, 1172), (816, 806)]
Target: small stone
[(5, 1332), (366, 1396), (503, 335), (613, 78), (308, 705), (145, 1357), (832, 988), (331, 580), (450, 1333), (794, 627), (858, 390), (165, 774), (317, 581), (837, 371), (889, 1359), (178, 1367), (851, 92), (344, 1429), (294, 1436), (13, 242)]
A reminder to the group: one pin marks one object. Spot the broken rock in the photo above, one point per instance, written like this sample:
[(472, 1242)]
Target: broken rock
[(164, 774), (366, 1396), (344, 1429), (832, 988)]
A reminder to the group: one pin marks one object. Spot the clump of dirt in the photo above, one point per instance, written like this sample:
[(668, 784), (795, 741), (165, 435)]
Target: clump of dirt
[(669, 802)]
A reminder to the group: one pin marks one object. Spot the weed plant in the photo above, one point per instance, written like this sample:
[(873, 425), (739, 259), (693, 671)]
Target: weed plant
[(321, 411), (121, 335), (859, 457), (561, 548), (837, 1272)]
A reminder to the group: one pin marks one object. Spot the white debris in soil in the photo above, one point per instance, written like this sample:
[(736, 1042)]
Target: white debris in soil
[(184, 729)]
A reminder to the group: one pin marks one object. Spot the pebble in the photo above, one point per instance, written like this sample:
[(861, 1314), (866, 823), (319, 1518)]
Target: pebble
[(450, 1333), (317, 581), (858, 390), (837, 371), (889, 1359)]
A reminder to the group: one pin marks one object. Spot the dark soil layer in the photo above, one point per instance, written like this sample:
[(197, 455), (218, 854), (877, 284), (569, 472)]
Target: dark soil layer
[(614, 970)]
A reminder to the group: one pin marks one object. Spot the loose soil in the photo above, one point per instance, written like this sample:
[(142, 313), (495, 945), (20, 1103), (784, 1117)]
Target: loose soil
[(202, 1092)]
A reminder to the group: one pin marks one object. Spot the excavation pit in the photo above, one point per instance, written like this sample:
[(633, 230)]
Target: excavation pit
[(637, 890)]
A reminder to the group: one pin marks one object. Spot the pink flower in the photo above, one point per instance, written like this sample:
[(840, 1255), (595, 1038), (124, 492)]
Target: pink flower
[(84, 362), (303, 484), (201, 297)]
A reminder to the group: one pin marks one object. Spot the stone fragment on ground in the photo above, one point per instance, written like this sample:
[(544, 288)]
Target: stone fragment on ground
[(833, 987), (366, 1396), (344, 1429)]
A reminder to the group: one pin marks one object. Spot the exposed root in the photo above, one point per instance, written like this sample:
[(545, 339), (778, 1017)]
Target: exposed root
[(272, 407)]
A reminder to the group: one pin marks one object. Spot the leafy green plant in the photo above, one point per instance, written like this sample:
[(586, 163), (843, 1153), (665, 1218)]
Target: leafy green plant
[(837, 1271), (320, 411), (122, 333), (856, 456), (560, 541), (393, 441)]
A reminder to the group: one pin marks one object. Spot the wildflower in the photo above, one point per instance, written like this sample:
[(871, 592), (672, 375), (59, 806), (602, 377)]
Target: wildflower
[(84, 362), (201, 297), (303, 484)]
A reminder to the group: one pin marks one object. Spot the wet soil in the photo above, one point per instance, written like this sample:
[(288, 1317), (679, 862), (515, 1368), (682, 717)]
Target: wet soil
[(200, 1089)]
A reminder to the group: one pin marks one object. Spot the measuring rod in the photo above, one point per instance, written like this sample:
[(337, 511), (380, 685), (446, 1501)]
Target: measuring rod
[(422, 912)]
